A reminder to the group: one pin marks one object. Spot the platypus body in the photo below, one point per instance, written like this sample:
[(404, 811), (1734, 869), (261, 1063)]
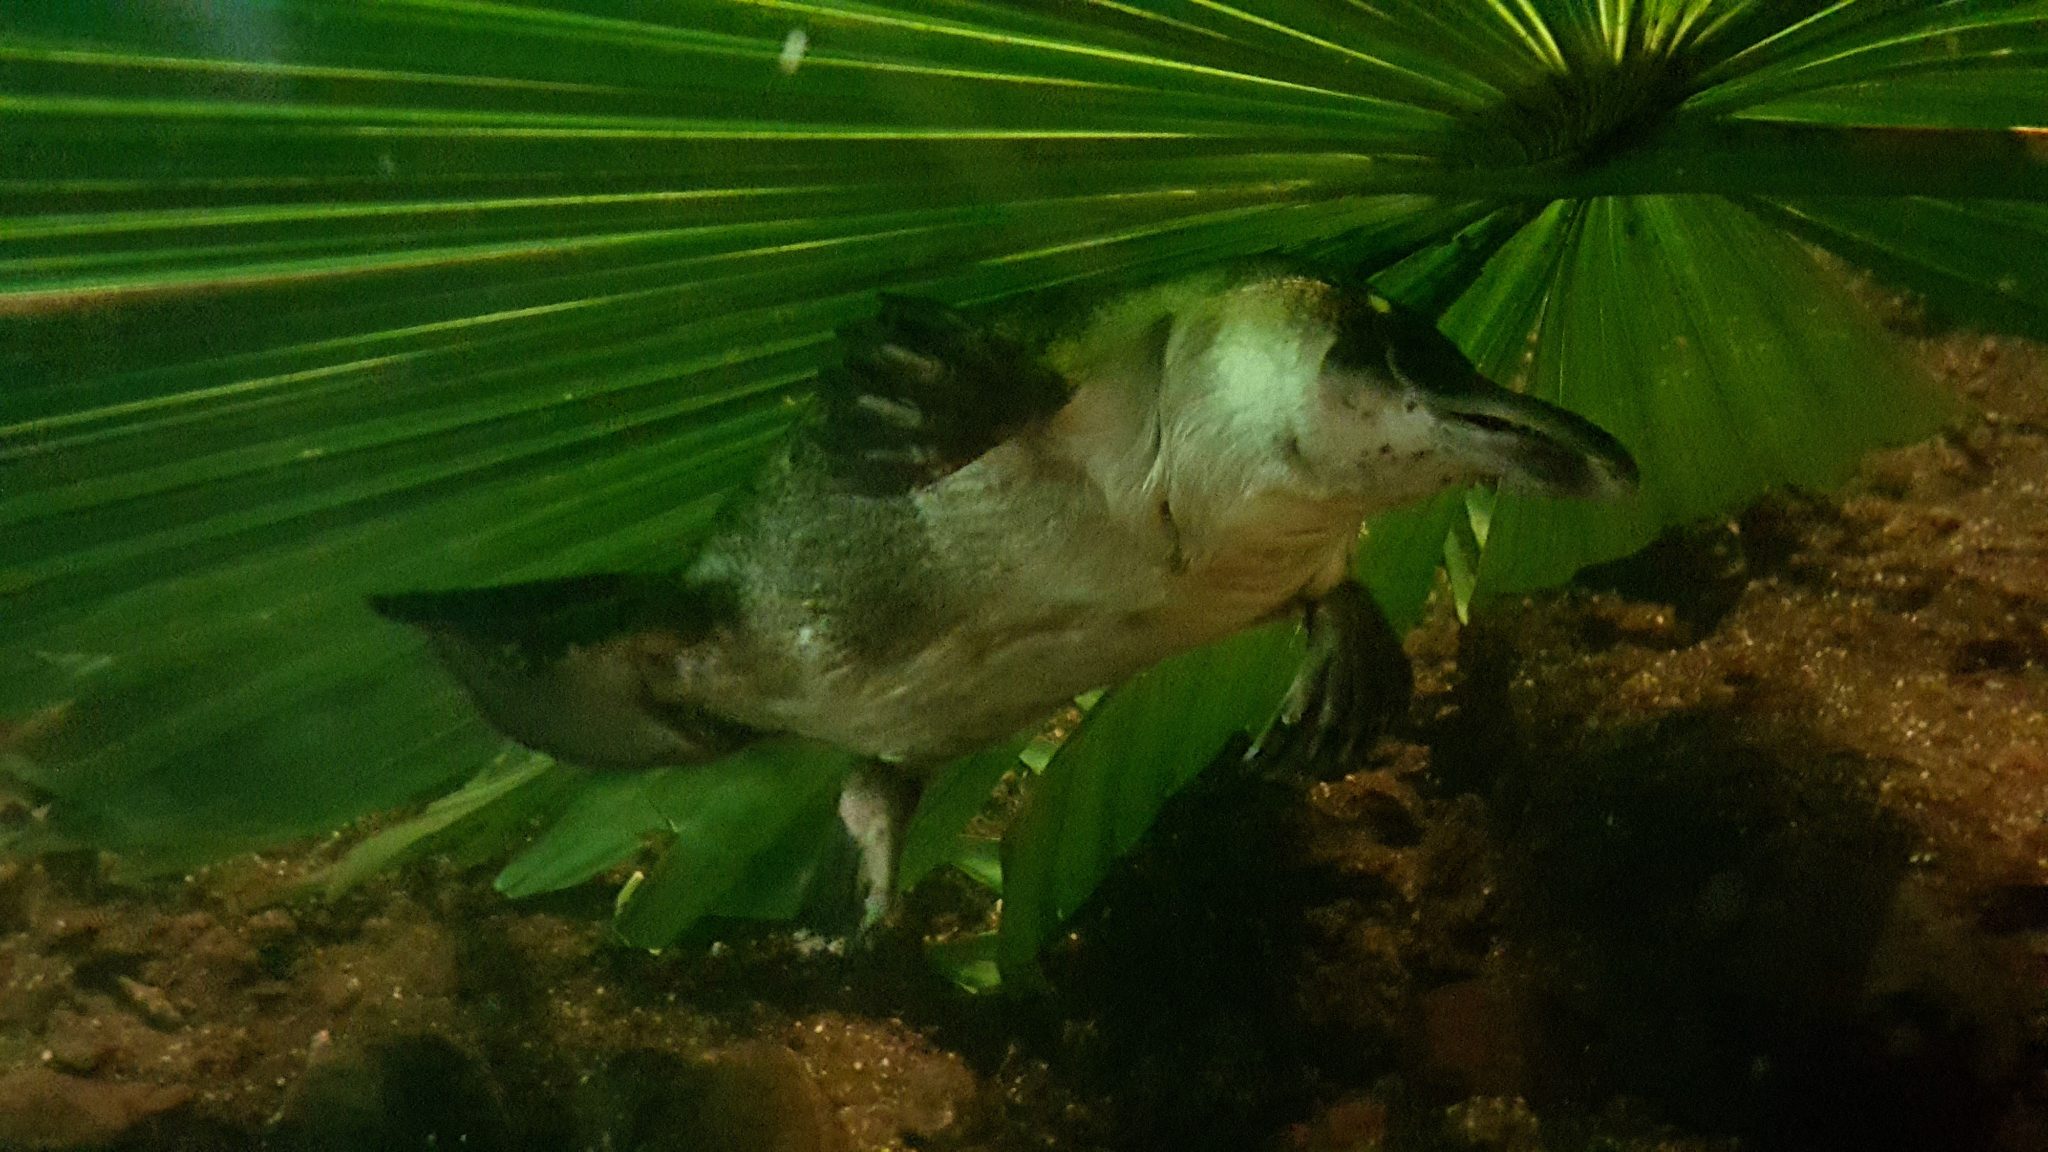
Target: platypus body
[(972, 530)]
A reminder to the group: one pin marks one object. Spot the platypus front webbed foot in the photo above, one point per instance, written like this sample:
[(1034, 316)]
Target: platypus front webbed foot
[(921, 392), (1355, 681)]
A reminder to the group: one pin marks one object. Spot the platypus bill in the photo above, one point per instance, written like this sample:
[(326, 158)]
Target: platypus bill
[(971, 531)]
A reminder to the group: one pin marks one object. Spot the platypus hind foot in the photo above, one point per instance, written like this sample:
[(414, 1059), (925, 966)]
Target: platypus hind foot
[(875, 805)]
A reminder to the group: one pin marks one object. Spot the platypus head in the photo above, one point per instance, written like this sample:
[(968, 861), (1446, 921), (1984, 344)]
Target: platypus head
[(1398, 402), (1354, 399)]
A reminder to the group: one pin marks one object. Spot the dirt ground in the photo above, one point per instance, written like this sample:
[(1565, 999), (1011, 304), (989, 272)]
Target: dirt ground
[(1736, 845)]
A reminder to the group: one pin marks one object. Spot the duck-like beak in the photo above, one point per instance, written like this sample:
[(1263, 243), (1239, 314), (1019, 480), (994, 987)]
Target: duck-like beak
[(1528, 444)]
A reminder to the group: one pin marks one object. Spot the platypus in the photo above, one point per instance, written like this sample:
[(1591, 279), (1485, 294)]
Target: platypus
[(973, 527)]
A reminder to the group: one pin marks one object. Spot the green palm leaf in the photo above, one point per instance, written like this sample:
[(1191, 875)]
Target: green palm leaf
[(302, 300)]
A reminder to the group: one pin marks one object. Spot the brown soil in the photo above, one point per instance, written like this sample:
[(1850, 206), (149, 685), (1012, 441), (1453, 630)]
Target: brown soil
[(1739, 844)]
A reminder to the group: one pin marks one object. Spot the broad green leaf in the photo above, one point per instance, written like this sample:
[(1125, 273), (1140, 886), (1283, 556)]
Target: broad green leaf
[(937, 833), (608, 821), (968, 961), (1720, 354), (1977, 262), (1434, 277), (488, 810), (1139, 745), (1465, 546), (980, 859), (1954, 63), (720, 824), (1400, 555), (614, 816), (809, 868), (1495, 318)]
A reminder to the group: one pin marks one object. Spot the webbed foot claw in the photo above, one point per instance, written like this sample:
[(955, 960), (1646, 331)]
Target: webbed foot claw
[(1356, 680)]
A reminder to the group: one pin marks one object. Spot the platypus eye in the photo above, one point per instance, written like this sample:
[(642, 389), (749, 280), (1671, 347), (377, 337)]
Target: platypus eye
[(1400, 345)]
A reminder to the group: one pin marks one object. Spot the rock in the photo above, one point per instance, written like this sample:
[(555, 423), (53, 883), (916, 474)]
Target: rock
[(886, 1084), (217, 954), (31, 984), (19, 883), (334, 989), (409, 1092), (761, 1098), (751, 1098), (1473, 1038), (78, 929), (271, 928), (1493, 1124), (414, 957), (152, 1002), (393, 962), (1353, 1124), (43, 1109), (77, 1043)]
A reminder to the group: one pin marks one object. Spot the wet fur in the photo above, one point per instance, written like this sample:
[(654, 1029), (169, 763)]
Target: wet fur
[(1156, 511), (959, 544)]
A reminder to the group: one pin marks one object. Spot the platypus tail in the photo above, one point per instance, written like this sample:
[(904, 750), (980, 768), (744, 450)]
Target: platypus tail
[(583, 668)]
